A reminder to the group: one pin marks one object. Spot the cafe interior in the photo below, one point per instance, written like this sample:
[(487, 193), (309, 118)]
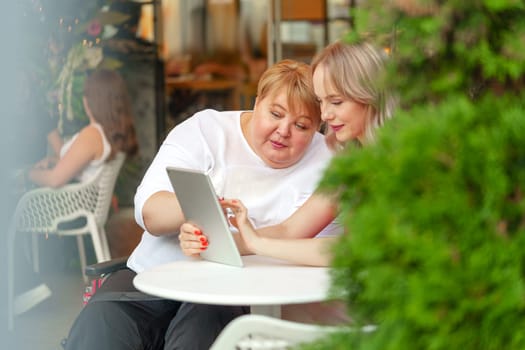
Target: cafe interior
[(177, 57)]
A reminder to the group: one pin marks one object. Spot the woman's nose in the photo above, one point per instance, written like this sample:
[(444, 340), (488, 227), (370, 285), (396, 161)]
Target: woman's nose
[(326, 115), (283, 130)]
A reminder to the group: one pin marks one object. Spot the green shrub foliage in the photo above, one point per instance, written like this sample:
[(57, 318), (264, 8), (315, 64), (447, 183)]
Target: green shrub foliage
[(434, 211), (445, 47), (435, 219)]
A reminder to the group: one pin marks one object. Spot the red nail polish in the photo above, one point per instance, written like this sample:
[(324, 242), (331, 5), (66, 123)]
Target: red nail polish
[(202, 239), (203, 248), (197, 232), (204, 244)]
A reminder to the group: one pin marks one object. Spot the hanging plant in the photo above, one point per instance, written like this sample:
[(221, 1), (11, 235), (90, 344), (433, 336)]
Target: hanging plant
[(84, 56), (79, 59)]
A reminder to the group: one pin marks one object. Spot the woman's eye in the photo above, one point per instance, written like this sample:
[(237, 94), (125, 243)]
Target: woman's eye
[(338, 102), (302, 126), (276, 115)]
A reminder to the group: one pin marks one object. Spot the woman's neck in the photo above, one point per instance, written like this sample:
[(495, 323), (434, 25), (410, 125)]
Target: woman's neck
[(245, 122)]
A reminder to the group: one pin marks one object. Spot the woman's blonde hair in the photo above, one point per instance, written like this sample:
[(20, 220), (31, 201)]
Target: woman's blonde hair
[(296, 79), (356, 71), (107, 97)]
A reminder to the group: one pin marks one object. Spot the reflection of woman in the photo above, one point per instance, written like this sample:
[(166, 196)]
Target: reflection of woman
[(272, 155), (353, 105), (110, 130)]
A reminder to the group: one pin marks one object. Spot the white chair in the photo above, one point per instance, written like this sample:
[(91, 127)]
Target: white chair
[(264, 332), (42, 210)]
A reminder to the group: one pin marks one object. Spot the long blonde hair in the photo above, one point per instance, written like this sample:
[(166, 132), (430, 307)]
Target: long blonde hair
[(356, 72)]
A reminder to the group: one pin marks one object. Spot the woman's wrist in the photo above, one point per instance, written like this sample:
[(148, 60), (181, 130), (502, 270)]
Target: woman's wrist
[(256, 244)]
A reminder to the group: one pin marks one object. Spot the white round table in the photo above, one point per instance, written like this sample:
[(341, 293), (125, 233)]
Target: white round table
[(263, 283)]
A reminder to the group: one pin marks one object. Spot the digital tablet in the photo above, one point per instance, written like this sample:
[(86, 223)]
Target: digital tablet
[(200, 205)]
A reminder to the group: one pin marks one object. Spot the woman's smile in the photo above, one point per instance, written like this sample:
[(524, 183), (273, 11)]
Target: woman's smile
[(336, 128)]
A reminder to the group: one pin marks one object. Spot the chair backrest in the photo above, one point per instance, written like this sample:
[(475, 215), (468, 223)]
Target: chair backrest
[(106, 186), (41, 209), (263, 332)]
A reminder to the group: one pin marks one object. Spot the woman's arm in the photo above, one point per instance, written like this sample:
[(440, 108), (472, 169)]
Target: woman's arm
[(55, 141), (86, 147), (305, 251), (306, 222), (162, 213)]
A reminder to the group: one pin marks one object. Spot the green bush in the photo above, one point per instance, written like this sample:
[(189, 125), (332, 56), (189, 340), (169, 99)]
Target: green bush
[(435, 210), (435, 215), (442, 48)]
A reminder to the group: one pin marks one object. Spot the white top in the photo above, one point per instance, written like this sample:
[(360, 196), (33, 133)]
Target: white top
[(95, 165), (212, 141), (262, 281)]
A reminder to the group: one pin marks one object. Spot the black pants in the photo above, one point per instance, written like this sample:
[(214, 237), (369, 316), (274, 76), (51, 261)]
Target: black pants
[(118, 317)]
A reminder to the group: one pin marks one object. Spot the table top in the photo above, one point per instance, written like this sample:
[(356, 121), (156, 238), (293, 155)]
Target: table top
[(262, 281)]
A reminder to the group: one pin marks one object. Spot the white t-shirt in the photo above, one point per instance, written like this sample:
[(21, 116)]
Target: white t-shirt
[(95, 165), (213, 142)]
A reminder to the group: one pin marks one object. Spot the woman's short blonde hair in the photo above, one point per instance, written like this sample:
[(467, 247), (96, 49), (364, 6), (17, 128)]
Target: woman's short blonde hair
[(356, 71), (295, 78)]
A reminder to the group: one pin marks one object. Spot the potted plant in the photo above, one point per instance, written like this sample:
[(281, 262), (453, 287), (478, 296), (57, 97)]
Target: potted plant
[(435, 211)]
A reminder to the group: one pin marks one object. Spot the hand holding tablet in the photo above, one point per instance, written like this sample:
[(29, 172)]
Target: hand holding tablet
[(200, 205)]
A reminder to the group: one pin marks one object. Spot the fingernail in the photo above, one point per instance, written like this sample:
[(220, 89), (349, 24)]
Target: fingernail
[(204, 248), (204, 244), (203, 239), (197, 232)]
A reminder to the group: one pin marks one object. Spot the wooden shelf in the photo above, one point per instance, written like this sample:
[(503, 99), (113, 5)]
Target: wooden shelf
[(309, 10)]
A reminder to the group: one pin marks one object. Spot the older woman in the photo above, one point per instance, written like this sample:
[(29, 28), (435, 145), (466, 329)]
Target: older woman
[(270, 155)]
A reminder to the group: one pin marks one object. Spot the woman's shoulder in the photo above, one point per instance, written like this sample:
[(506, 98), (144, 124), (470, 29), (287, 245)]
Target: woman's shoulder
[(215, 114), (90, 136), (212, 119), (204, 124), (92, 131)]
